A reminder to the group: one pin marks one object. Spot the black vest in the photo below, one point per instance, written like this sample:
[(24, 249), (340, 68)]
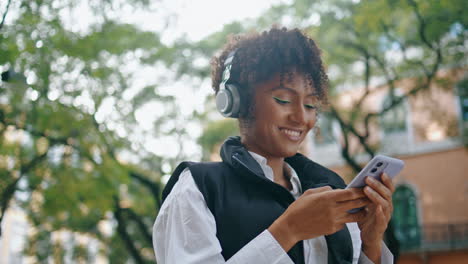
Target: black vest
[(244, 202)]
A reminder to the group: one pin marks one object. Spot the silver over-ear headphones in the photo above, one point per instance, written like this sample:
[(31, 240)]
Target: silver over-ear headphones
[(228, 99)]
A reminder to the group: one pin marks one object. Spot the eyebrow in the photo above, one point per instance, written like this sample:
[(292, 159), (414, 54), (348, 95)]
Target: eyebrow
[(314, 94)]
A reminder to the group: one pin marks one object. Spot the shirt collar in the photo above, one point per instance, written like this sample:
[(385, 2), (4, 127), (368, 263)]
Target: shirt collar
[(268, 171)]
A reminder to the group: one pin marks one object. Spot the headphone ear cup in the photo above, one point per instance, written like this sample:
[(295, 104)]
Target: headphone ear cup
[(224, 102), (228, 101)]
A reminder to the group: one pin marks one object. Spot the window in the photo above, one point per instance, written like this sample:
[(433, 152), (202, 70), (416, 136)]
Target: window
[(405, 217), (463, 95), (394, 120)]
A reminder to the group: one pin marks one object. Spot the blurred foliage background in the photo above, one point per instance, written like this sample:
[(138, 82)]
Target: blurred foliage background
[(75, 166)]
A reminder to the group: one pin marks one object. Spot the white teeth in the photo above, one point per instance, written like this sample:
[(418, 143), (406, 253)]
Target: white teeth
[(292, 132)]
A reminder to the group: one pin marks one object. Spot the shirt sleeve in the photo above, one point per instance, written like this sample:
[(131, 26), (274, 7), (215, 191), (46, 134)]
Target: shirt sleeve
[(185, 232), (358, 255)]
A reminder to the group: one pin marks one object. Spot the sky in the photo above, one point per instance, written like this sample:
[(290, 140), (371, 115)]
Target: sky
[(199, 18), (194, 18)]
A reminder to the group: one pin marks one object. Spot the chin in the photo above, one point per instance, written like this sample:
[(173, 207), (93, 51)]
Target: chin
[(288, 152)]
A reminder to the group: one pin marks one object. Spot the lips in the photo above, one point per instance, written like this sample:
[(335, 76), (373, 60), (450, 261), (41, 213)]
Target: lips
[(292, 134)]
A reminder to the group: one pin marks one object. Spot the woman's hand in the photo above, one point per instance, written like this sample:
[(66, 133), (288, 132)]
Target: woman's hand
[(377, 215), (317, 212)]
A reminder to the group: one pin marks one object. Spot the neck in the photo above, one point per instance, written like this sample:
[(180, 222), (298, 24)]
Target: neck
[(277, 165), (280, 172)]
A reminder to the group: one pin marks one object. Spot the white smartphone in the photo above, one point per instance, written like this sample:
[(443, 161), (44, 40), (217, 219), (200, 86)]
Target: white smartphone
[(378, 165)]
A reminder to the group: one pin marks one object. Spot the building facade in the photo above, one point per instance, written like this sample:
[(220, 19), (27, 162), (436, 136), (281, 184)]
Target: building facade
[(428, 132)]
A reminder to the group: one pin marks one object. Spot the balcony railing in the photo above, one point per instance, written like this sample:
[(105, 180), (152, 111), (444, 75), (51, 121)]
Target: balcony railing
[(434, 237)]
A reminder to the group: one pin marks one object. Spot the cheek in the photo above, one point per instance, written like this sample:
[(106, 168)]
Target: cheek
[(267, 112), (312, 123), (312, 120)]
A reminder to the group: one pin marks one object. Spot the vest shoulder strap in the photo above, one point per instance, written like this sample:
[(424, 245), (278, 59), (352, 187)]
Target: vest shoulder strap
[(200, 173)]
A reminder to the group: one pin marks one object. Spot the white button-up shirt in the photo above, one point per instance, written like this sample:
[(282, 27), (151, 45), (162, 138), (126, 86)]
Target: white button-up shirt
[(185, 231)]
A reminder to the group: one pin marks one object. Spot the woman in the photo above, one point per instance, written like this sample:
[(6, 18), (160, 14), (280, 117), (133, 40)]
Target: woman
[(264, 203)]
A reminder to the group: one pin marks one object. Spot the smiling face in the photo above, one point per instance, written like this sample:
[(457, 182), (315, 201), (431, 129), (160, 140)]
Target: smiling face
[(283, 114)]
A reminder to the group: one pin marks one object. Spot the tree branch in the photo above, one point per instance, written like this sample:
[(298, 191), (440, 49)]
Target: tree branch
[(152, 187), (366, 84), (345, 151), (122, 230), (9, 191), (5, 14), (402, 47), (353, 130), (141, 225), (399, 99), (390, 80), (422, 24)]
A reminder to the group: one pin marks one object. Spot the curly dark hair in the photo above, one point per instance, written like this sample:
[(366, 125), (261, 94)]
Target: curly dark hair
[(261, 55)]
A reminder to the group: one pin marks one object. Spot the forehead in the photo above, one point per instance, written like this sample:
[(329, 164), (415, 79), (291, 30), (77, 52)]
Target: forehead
[(291, 81)]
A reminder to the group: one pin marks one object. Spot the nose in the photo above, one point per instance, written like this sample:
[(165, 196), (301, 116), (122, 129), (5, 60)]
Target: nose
[(299, 115)]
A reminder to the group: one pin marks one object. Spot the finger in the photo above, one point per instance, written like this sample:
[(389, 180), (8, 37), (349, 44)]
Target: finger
[(357, 203), (378, 202), (380, 217), (346, 195), (385, 192), (370, 210), (388, 182), (379, 187), (375, 197), (318, 190), (354, 217)]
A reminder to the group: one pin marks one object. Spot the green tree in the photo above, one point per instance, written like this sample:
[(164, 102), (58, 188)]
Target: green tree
[(68, 128), (215, 133)]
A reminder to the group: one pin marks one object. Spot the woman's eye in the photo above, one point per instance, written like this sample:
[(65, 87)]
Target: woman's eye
[(280, 101), (309, 106)]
